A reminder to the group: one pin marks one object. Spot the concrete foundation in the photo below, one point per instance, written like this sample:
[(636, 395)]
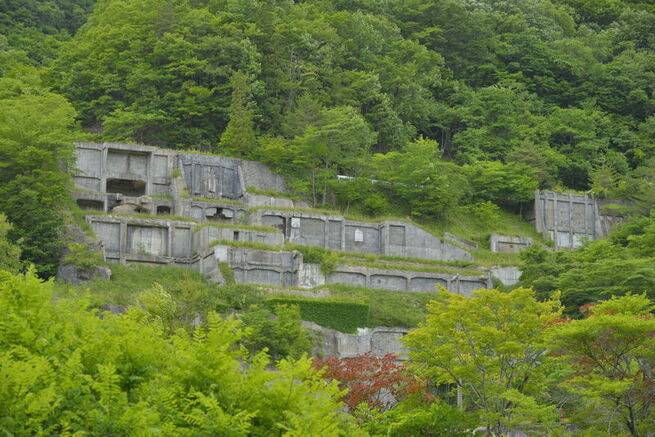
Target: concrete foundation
[(337, 233), (506, 243), (286, 268), (127, 180), (509, 275), (569, 219), (379, 341)]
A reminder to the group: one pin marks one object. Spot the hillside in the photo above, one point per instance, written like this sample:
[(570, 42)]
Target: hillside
[(196, 195)]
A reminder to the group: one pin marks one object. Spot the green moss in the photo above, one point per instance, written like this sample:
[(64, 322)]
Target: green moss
[(239, 226), (227, 272), (413, 268), (387, 307), (217, 201), (188, 287), (145, 216), (273, 193), (339, 315), (246, 245)]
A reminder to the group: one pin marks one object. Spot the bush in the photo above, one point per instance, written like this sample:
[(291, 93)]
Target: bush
[(342, 316)]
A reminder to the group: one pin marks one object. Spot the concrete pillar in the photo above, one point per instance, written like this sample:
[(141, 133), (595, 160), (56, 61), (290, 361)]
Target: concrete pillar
[(122, 248)]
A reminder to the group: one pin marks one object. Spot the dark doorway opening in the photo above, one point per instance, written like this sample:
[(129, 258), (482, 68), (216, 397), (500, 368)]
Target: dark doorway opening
[(126, 187), (163, 210), (90, 205)]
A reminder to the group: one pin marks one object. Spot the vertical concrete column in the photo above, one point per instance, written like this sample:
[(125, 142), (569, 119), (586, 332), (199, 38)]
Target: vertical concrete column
[(555, 227), (384, 238), (149, 174), (103, 169), (242, 182), (122, 248), (343, 234), (571, 245), (170, 242)]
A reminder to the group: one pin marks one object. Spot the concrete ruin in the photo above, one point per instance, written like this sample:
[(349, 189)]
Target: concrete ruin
[(569, 219), (507, 243), (154, 206)]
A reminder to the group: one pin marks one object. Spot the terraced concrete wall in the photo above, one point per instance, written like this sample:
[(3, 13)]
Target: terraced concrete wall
[(379, 341), (204, 237), (287, 269), (149, 241), (337, 233), (568, 219), (147, 169)]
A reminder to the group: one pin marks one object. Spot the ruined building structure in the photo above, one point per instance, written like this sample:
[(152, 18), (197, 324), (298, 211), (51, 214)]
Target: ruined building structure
[(155, 206), (568, 219)]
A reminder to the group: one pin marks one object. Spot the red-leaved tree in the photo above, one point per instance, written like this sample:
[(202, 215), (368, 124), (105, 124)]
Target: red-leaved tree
[(376, 381)]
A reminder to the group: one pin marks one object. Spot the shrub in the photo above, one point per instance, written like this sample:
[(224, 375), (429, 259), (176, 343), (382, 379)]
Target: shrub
[(342, 316)]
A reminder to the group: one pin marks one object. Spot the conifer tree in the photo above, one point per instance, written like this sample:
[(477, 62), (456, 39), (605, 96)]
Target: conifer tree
[(239, 139)]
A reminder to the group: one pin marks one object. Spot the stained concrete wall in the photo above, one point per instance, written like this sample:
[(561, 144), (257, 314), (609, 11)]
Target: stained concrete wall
[(98, 163), (215, 177), (506, 243), (152, 241), (288, 268), (264, 267), (568, 219), (508, 275), (336, 233), (379, 341), (204, 236), (215, 211), (406, 280)]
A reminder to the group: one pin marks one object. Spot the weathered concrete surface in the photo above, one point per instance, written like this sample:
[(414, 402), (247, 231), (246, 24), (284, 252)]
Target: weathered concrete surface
[(462, 242), (284, 268), (134, 179), (152, 241), (265, 267), (507, 243), (379, 341), (310, 275), (205, 236), (336, 233), (74, 275), (406, 280), (508, 275), (568, 219)]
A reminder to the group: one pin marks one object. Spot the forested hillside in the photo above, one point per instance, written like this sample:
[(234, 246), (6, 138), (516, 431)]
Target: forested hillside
[(449, 113)]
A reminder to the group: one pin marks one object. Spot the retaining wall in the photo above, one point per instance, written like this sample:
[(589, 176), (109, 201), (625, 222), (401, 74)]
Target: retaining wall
[(337, 233)]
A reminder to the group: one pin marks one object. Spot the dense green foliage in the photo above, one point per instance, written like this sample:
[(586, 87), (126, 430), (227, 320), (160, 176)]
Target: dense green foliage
[(35, 152), (9, 252), (65, 370), (342, 316), (524, 94), (490, 347), (609, 357), (622, 263)]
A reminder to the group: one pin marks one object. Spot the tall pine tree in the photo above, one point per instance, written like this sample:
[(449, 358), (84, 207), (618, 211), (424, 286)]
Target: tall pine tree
[(239, 138)]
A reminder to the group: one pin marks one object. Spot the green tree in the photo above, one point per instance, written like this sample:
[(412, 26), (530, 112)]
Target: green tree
[(611, 357), (239, 139), (501, 183), (418, 178), (9, 252), (337, 142), (491, 348), (279, 332), (66, 370), (36, 151)]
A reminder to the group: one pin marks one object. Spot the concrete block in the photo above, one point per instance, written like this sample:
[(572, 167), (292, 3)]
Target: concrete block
[(506, 243), (509, 275)]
